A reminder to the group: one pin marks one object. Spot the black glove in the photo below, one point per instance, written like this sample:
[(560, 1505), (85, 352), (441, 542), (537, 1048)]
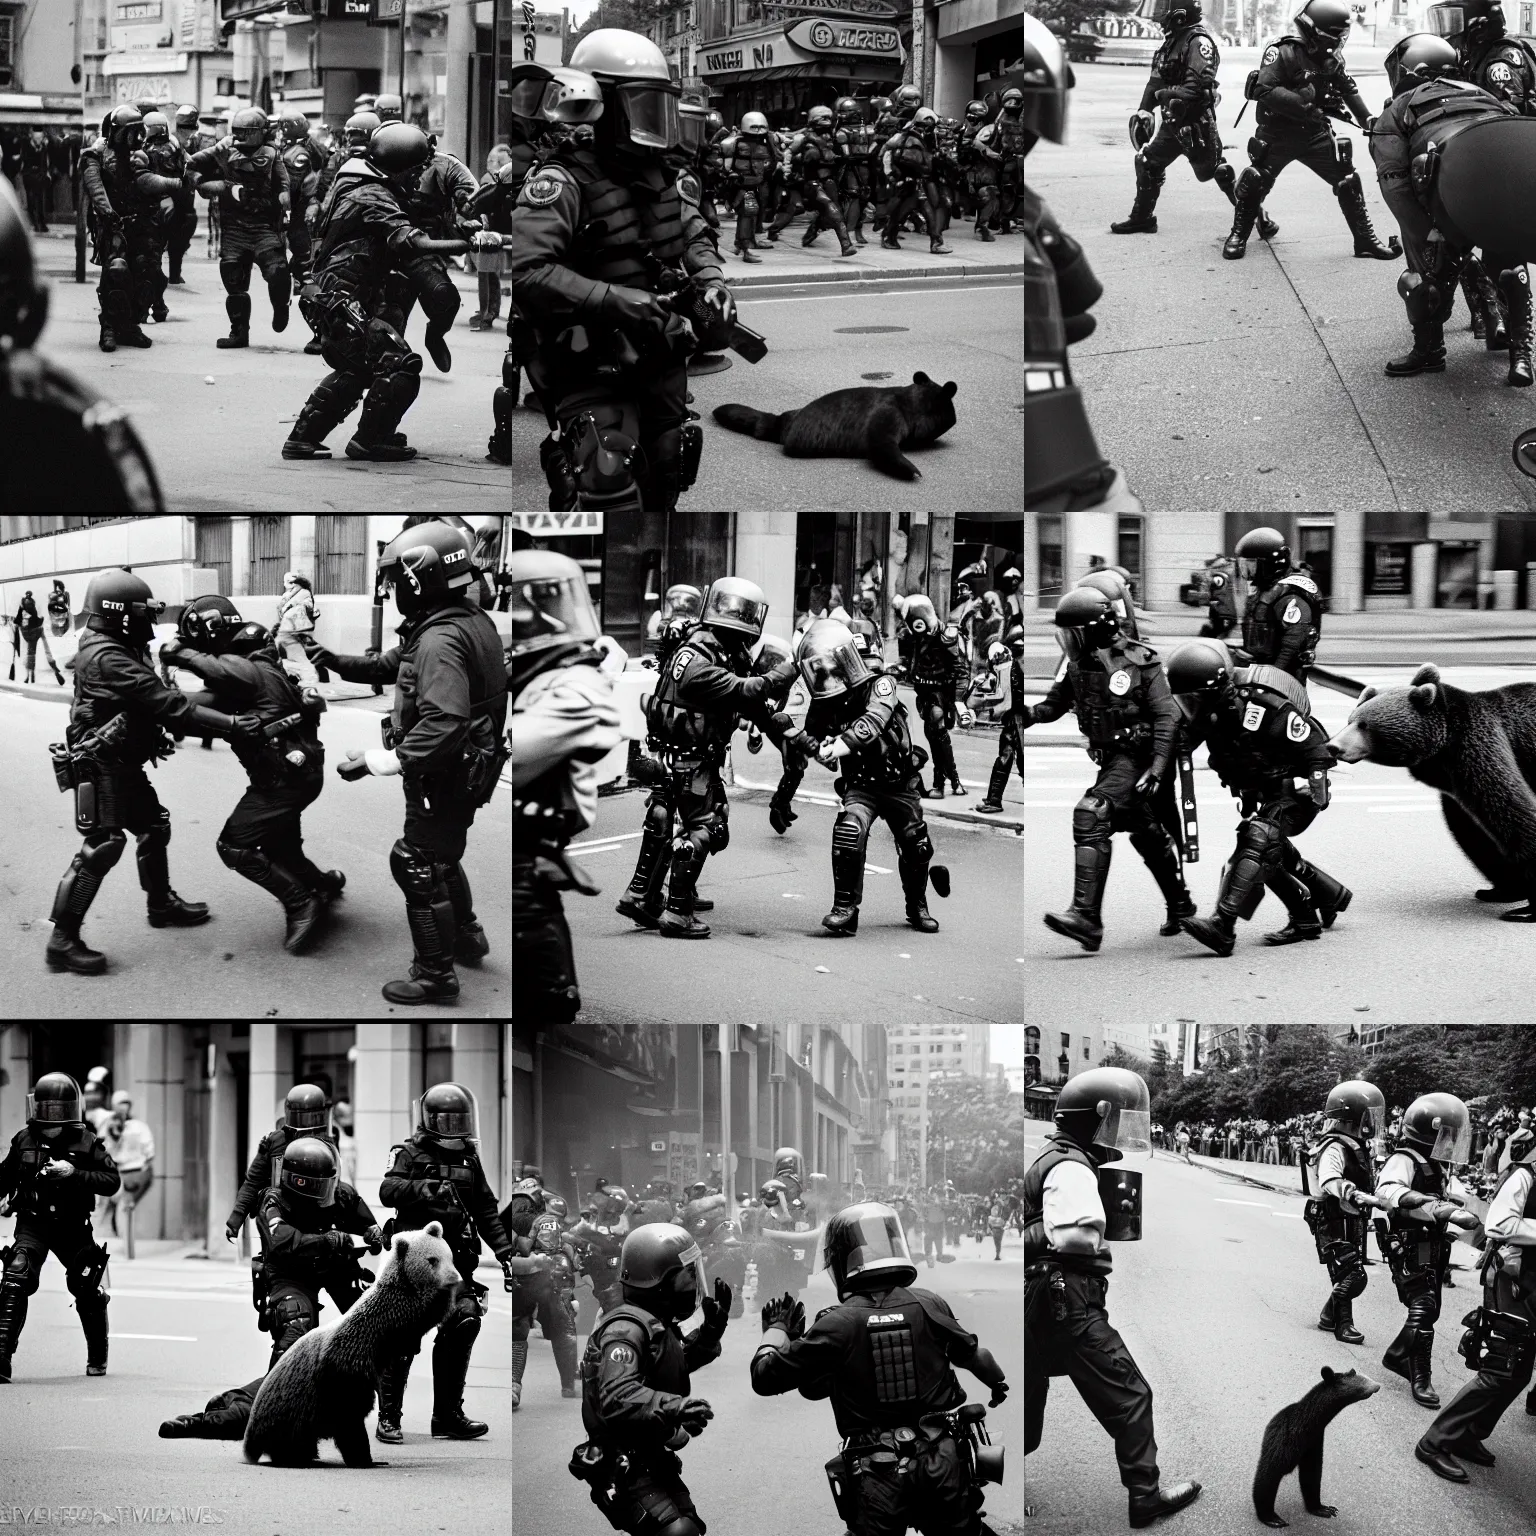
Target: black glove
[(999, 1392), (1318, 785), (245, 728), (633, 309), (339, 1242), (717, 1311), (375, 1239), (1148, 784), (317, 653), (694, 1414)]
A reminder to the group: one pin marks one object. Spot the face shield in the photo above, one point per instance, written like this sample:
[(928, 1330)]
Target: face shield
[(1448, 21), (738, 612), (832, 670), (1453, 1135), (548, 1234), (864, 1245), (689, 1283), (552, 611), (682, 599), (528, 96), (1373, 1128), (649, 110), (1078, 642), (693, 131)]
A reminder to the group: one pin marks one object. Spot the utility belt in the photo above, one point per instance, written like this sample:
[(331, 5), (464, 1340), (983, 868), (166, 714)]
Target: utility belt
[(1412, 1253), (474, 776), (889, 771), (607, 1471), (277, 764), (91, 770), (1331, 1224), (1498, 1343), (898, 1448)]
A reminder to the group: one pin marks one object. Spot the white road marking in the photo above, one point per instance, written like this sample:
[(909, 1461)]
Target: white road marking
[(1289, 1215), (878, 869), (1261, 1205), (800, 298), (602, 842), (165, 1338)]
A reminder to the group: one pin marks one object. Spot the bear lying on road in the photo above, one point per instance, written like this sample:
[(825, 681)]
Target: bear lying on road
[(864, 423), (324, 1387), (1479, 750)]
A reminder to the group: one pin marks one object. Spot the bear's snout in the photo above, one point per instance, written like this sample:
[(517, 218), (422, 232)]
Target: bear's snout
[(1350, 746)]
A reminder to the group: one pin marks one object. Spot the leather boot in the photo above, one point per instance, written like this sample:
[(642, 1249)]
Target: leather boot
[(847, 883), (1081, 920), (67, 951), (450, 1365), (307, 439), (1147, 1507), (1245, 210), (1344, 1329), (642, 902), (1142, 219), (392, 1400), (1159, 855), (914, 885), (1303, 921), (678, 921), (238, 307), (1351, 196), (301, 905), (1325, 1320), (168, 910), (432, 974), (1331, 896), (564, 1347), (780, 814), (1426, 356), (1471, 292), (997, 782), (1483, 299), (1515, 286), (1423, 1392), (93, 1323), (1242, 888), (1399, 1356), (13, 1316), (519, 1362)]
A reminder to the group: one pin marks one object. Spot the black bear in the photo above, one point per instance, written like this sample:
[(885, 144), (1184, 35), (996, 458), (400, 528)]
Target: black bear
[(866, 423), (1293, 1441), (324, 1387), (1479, 750)]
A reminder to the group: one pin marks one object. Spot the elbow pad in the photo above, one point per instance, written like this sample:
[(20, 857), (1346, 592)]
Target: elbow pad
[(1076, 286)]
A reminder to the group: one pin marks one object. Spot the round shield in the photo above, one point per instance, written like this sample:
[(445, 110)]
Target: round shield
[(1485, 189), (1525, 453)]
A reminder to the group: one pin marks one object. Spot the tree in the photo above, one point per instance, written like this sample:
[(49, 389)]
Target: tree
[(1298, 1066), (986, 1127), (1418, 1058), (1065, 17)]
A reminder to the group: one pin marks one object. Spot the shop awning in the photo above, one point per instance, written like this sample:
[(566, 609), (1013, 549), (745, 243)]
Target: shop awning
[(62, 111)]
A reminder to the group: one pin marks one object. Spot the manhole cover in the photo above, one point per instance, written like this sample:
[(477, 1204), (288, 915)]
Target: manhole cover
[(862, 376), (869, 330)]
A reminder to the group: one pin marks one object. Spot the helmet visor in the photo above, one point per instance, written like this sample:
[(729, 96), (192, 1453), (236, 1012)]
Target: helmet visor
[(1453, 1142), (652, 115), (1447, 20), (735, 610), (870, 1243), (1045, 88), (828, 673), (528, 96), (692, 130), (53, 1110), (1247, 567), (303, 1117), (1130, 1130), (551, 611)]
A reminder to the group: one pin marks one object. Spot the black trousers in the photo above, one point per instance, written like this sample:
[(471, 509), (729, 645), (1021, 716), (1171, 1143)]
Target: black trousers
[(653, 1495), (294, 1306), (1475, 1411), (1086, 1347), (930, 1492), (544, 983)]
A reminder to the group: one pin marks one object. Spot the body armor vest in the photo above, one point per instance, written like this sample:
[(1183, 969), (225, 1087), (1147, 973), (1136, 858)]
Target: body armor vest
[(253, 172), (750, 161), (1263, 630), (884, 763), (1108, 718), (1415, 1246), (1058, 1150), (910, 155), (1357, 1169), (630, 221), (1440, 109), (662, 1369), (119, 176)]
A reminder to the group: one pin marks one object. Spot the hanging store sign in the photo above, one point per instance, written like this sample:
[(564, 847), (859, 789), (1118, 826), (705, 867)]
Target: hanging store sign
[(825, 36)]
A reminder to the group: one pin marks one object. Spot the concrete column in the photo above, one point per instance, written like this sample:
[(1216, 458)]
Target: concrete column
[(1348, 561), (765, 553), (460, 45), (474, 1067), (1422, 587), (240, 558), (149, 1058), (941, 562), (385, 1081), (266, 1088), (1083, 535), (15, 1073), (226, 1165), (301, 546)]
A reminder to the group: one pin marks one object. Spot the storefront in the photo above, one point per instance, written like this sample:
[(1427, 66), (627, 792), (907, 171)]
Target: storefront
[(980, 52), (784, 70)]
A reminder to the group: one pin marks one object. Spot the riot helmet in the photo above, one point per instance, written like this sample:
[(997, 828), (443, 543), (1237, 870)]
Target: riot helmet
[(1263, 557), (389, 107), (120, 604), (819, 118), (430, 564), (157, 128), (1179, 14), (771, 655), (788, 1164), (754, 125), (186, 116), (920, 616), (1086, 621), (977, 112), (245, 638), (1355, 1108), (830, 660), (206, 623), (906, 100), (692, 127), (1010, 581), (249, 129), (552, 612), (735, 609), (124, 129), (449, 1114), (682, 599), (662, 1270), (1107, 1107), (1419, 57), (310, 1170), (572, 96), (359, 129), (774, 1193), (1117, 589), (305, 1108), (1439, 1126), (1199, 670), (849, 110), (55, 1102), (866, 1250), (399, 151), (295, 126), (1043, 107), (1323, 24), (638, 87), (880, 105), (23, 299), (1478, 20), (612, 1202)]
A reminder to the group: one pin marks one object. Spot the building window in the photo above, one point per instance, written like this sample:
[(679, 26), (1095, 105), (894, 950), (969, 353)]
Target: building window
[(1031, 1039), (1130, 547), (900, 1049), (1085, 1050), (1049, 534), (7, 49), (1390, 566), (955, 1047), (1066, 1041)]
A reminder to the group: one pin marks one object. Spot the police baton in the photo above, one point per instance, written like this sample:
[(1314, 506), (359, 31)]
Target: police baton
[(376, 627), (1338, 681)]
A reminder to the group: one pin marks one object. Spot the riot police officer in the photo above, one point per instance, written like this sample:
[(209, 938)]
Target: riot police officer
[(354, 142), (1297, 80), (635, 1404), (124, 191), (1074, 1206), (306, 1113), (980, 159), (1261, 736), (1499, 64), (691, 716), (860, 729), (1183, 84), (1125, 709), (435, 1174), (1414, 1188), (82, 451), (673, 622), (444, 738), (1220, 583), (303, 160), (167, 158), (851, 139), (1500, 1344), (885, 1356), (1010, 739), (810, 165), (602, 1236), (1283, 617), (117, 724), (263, 839), (940, 678), (1344, 1174), (565, 718), (792, 764), (610, 349), (51, 1176), (748, 160), (907, 158), (248, 176), (306, 1220)]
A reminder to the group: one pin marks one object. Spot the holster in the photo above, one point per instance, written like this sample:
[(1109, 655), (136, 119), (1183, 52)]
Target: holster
[(260, 1286), (845, 1489), (592, 1465), (1497, 1343)]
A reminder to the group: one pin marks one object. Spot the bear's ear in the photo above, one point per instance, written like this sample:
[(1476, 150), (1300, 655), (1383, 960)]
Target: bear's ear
[(1328, 1374), (950, 388), (1428, 673), (434, 1229), (1368, 692), (401, 1246), (1422, 695), (921, 378)]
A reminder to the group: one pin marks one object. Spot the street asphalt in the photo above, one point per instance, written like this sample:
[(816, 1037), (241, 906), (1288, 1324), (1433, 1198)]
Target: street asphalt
[(1413, 948), (1258, 383), (1218, 1305)]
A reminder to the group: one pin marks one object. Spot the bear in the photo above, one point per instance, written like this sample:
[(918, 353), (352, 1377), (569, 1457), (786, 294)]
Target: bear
[(866, 423), (1479, 750), (1293, 1441), (324, 1387)]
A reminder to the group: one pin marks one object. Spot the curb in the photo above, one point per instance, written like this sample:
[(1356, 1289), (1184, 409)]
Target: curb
[(871, 275)]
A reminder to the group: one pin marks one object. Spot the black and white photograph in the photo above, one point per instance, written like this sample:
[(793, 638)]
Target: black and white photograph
[(461, 255), (768, 1277), (285, 1247), (304, 720)]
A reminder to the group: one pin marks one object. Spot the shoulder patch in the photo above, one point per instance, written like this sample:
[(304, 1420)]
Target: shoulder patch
[(688, 187), (884, 687), (864, 730), (1303, 582), (1271, 54), (543, 188), (950, 632), (1253, 717), (1120, 683), (1292, 613), (621, 1354), (1297, 728), (1206, 50), (1499, 72), (680, 662)]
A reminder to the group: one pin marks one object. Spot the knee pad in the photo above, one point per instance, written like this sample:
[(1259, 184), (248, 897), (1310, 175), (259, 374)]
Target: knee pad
[(1261, 840), (440, 303), (101, 851), (915, 845), (292, 1314), (20, 1272), (250, 862), (413, 871), (1225, 178), (604, 452), (397, 389), (657, 821), (1251, 183), (1091, 819), (158, 832), (509, 370), (848, 832), (236, 276), (720, 832)]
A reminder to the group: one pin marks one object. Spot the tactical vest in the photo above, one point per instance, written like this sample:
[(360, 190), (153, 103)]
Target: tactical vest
[(933, 663), (1416, 1246), (816, 155), (344, 241), (911, 156), (1108, 718), (1058, 1150), (970, 156), (681, 726), (1171, 61), (253, 172), (661, 1368), (1440, 109), (1357, 1169), (1263, 630), (119, 175), (628, 224), (166, 157), (750, 160), (887, 762), (1010, 130)]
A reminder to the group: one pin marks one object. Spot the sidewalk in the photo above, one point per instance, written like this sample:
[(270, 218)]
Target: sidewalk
[(790, 262)]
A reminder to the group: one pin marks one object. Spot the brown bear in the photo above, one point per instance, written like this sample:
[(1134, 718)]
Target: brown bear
[(1479, 750), (1293, 1440), (863, 423), (324, 1387)]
